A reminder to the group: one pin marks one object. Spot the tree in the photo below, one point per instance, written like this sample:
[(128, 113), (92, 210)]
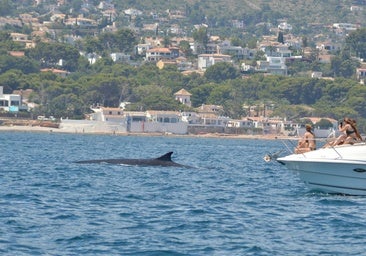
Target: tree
[(166, 41), (126, 39), (280, 37), (5, 8), (335, 64), (185, 48), (65, 105), (304, 40), (259, 55), (157, 101), (347, 68), (50, 54), (343, 65), (92, 45), (356, 40), (201, 93), (121, 41), (195, 14), (323, 124), (24, 64), (221, 71), (200, 36), (235, 41), (7, 43)]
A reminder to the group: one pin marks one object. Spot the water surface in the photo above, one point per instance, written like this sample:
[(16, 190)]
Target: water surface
[(232, 203)]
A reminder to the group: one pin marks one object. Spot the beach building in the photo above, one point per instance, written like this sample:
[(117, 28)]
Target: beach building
[(11, 102), (116, 120), (183, 96)]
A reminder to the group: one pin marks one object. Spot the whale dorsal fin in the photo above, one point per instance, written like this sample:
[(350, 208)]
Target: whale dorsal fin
[(166, 157)]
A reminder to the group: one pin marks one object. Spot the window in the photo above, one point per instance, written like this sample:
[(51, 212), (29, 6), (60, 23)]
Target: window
[(14, 103), (138, 118)]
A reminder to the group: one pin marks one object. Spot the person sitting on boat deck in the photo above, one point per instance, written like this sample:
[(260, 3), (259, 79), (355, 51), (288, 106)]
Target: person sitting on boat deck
[(350, 133), (307, 142)]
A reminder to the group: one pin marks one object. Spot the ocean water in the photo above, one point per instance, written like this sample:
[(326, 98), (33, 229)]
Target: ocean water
[(231, 203)]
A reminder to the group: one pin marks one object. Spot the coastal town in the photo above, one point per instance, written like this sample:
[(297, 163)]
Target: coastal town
[(182, 127), (277, 51), (205, 120)]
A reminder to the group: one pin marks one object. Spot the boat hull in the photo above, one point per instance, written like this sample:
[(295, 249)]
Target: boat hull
[(331, 170)]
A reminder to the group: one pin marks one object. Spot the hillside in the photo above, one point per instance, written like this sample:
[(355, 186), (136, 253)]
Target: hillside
[(309, 11)]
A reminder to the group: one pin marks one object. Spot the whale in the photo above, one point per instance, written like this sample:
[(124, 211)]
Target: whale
[(162, 161)]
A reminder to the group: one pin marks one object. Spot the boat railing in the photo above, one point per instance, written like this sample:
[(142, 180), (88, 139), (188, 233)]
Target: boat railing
[(343, 145), (291, 143), (335, 150)]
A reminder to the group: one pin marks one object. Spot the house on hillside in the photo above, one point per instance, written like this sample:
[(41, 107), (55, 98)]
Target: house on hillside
[(284, 26), (361, 75), (325, 58), (141, 49), (23, 39), (16, 53), (183, 96), (273, 65), (328, 46), (163, 63), (161, 53), (120, 57), (59, 72), (10, 21), (207, 60), (277, 66), (237, 52), (81, 22)]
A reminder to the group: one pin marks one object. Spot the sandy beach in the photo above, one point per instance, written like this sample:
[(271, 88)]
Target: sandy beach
[(18, 128)]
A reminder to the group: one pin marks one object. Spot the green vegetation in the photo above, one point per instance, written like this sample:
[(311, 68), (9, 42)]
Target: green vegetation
[(147, 87)]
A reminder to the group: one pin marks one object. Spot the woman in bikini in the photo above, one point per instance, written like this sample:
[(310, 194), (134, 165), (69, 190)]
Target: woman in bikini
[(350, 133), (307, 143)]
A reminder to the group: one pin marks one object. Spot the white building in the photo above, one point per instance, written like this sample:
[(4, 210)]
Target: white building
[(183, 97), (11, 102), (240, 123), (120, 57), (285, 26), (141, 49), (207, 60), (117, 120)]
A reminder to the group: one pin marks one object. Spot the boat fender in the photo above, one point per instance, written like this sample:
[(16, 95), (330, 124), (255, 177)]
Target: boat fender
[(267, 158)]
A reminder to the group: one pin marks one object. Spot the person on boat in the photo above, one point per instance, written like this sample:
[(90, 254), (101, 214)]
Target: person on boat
[(307, 142), (350, 134)]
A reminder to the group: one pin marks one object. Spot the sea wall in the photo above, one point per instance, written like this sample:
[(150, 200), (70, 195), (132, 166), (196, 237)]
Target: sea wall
[(89, 126), (175, 128)]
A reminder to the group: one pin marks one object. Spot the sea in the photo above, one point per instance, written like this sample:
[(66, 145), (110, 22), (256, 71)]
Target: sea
[(231, 202)]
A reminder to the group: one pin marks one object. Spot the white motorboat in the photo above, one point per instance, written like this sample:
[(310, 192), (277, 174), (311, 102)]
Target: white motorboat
[(340, 169)]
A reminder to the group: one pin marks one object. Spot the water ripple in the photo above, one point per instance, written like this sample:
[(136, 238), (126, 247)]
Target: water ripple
[(233, 203)]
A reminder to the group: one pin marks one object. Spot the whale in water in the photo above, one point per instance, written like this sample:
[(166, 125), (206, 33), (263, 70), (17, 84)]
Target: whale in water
[(164, 161)]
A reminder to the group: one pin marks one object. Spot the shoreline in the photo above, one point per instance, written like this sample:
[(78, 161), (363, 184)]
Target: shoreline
[(18, 128)]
